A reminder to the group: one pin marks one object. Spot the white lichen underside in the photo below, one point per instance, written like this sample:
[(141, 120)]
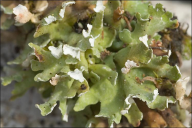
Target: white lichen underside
[(22, 14), (73, 51), (77, 75), (144, 39), (49, 19), (128, 65), (99, 6), (56, 51), (64, 5)]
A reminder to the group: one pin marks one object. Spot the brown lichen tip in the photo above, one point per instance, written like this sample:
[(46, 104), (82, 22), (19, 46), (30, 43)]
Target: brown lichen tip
[(138, 80), (150, 78), (157, 48), (117, 14), (176, 25), (39, 56), (104, 54), (54, 80)]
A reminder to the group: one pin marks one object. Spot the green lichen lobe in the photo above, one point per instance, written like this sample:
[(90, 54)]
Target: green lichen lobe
[(90, 70)]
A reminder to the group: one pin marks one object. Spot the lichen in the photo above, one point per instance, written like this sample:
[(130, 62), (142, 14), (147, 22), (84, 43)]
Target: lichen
[(109, 64)]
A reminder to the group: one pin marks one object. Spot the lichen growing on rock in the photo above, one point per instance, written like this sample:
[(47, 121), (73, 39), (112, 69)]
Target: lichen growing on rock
[(103, 65)]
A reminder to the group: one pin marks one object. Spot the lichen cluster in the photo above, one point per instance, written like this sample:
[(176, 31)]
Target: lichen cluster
[(98, 59)]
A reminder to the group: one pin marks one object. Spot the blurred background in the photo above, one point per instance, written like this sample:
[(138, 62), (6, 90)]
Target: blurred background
[(23, 113)]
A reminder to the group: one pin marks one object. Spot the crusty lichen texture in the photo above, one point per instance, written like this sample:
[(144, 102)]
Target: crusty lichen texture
[(98, 60)]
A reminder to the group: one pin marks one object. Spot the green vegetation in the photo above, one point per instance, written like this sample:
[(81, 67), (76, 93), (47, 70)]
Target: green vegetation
[(98, 60)]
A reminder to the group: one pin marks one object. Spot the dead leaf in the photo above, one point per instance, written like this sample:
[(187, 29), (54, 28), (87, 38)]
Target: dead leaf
[(157, 48), (170, 118), (153, 118)]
